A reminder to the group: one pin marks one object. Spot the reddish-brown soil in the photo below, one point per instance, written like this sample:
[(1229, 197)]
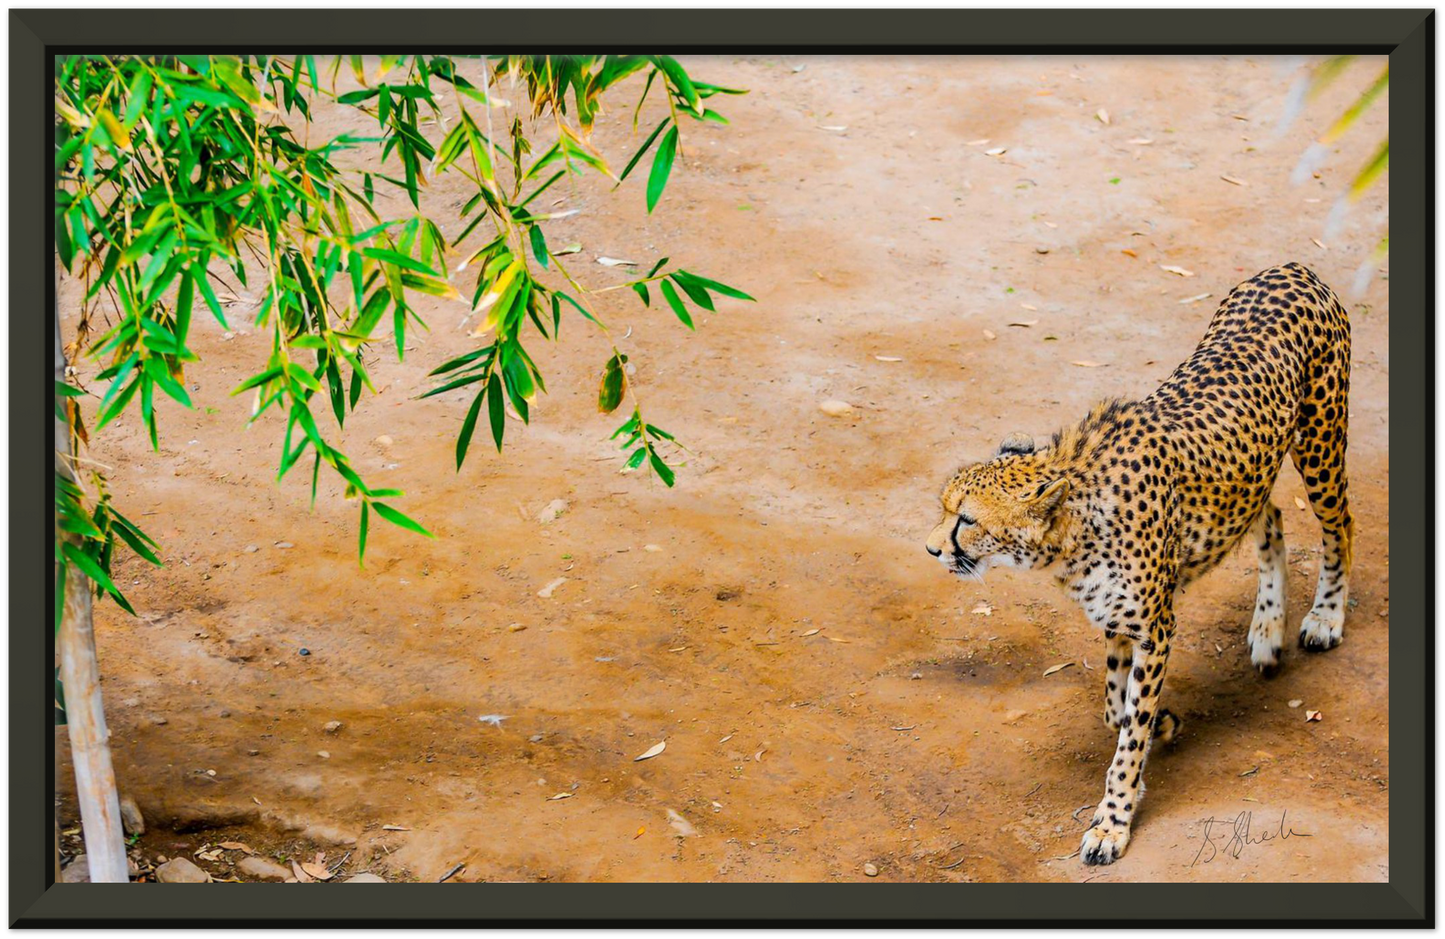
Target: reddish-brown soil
[(829, 697)]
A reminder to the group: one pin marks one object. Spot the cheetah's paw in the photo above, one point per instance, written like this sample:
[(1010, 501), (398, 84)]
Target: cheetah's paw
[(1104, 843), (1321, 632)]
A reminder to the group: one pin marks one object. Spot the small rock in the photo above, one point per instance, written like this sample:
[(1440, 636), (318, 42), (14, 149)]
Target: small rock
[(332, 727), (304, 651), (76, 872), (652, 548), (365, 877), (252, 548), (383, 441), (1012, 716), (551, 510), (516, 627), (130, 816), (228, 335), (870, 870), (253, 752), (262, 869), (181, 871), (836, 408), (1295, 703), (225, 714), (324, 754), (546, 592), (682, 826), (284, 544)]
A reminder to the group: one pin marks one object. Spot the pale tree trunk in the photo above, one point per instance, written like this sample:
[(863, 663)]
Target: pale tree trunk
[(84, 713)]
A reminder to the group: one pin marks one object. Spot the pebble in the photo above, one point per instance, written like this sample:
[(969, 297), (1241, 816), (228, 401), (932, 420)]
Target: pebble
[(551, 510), (304, 651), (835, 408), (365, 877), (383, 441), (332, 727), (181, 871), (870, 870), (324, 754), (130, 816), (284, 544), (76, 872), (252, 549), (516, 627), (1295, 703), (262, 869), (225, 714)]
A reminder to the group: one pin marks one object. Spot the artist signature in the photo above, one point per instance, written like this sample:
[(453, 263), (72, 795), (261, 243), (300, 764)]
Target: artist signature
[(1230, 836)]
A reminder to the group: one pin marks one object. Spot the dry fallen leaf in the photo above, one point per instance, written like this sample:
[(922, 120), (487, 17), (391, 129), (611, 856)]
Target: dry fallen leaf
[(301, 876), (394, 828), (640, 832), (654, 751), (1313, 716), (983, 609), (1103, 115), (1234, 180), (316, 869), (1051, 224), (726, 739), (1085, 363), (1196, 298), (1029, 306), (1176, 270), (615, 262), (652, 547), (836, 408), (677, 649), (1319, 244), (573, 248), (546, 592), (1141, 141), (977, 143), (236, 846), (990, 334), (1300, 503), (1056, 668), (758, 757), (1249, 772), (996, 151), (835, 639), (811, 632), (559, 797), (1024, 323), (836, 128), (1131, 252), (887, 358)]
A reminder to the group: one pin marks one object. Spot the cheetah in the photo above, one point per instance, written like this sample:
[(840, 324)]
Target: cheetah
[(1142, 497)]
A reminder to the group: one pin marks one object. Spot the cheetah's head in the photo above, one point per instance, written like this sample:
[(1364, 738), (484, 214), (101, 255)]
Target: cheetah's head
[(999, 512)]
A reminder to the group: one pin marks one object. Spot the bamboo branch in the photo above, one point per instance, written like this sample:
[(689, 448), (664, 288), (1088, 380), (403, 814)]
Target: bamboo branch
[(85, 715)]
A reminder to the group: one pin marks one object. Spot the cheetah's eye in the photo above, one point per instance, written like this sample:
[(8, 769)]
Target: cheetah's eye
[(968, 521)]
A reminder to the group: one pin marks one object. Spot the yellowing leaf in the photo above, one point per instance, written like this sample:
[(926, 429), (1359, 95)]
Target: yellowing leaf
[(1056, 668)]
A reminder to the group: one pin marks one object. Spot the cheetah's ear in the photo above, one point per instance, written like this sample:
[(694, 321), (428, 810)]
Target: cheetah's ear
[(1047, 497), (1016, 443)]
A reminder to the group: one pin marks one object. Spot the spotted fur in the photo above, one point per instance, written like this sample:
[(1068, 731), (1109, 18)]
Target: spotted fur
[(1142, 497)]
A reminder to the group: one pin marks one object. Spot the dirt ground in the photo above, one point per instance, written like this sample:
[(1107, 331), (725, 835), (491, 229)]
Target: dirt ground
[(828, 696)]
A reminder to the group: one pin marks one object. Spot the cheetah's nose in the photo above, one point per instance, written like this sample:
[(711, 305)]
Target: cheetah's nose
[(934, 551)]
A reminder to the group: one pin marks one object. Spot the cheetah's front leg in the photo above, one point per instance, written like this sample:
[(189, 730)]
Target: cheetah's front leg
[(1108, 836)]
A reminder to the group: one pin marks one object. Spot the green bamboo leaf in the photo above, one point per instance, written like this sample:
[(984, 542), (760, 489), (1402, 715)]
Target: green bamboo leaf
[(495, 410), (1371, 171), (676, 303), (643, 149), (714, 286), (695, 291), (661, 168), (398, 519), (614, 385), (664, 472), (361, 535), (464, 439)]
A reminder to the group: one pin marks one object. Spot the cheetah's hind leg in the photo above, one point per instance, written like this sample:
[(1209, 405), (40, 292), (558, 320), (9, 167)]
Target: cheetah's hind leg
[(1319, 455), (1266, 631)]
